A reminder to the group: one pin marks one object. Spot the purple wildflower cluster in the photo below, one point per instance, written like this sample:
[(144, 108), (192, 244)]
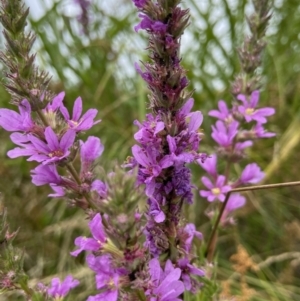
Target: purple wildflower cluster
[(52, 141), (119, 273), (140, 256), (168, 140), (232, 138)]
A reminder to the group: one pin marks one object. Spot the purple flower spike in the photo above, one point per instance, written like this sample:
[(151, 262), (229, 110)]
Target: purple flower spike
[(248, 108), (91, 244), (251, 174), (78, 123), (12, 121), (216, 191), (209, 165), (61, 289), (164, 285)]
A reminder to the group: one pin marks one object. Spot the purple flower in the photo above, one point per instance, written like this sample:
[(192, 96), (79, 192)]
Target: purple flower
[(52, 151), (188, 234), (149, 130), (146, 76), (178, 156), (181, 183), (111, 294), (156, 27), (139, 3), (235, 201), (55, 104), (90, 151), (100, 188), (150, 167), (209, 165), (164, 285), (59, 191), (223, 134), (216, 190), (195, 120), (248, 108), (78, 123), (223, 114), (12, 121), (91, 244), (46, 174), (100, 264), (21, 140), (155, 211), (61, 289), (260, 132), (107, 278), (186, 108), (187, 271), (251, 174)]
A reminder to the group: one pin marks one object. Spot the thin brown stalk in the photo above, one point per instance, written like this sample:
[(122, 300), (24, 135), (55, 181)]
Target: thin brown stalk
[(213, 237)]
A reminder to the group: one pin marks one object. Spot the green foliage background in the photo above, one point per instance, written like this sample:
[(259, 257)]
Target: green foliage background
[(99, 68)]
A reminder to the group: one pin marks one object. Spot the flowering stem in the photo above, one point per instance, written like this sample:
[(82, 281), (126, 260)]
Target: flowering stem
[(212, 240), (69, 166)]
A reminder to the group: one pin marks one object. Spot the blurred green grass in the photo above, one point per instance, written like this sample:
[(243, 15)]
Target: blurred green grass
[(99, 69)]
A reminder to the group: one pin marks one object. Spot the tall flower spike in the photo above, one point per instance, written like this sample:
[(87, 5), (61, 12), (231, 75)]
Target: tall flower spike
[(168, 140), (23, 79)]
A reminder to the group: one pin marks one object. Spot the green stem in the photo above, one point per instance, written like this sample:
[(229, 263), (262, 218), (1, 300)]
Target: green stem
[(213, 237)]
